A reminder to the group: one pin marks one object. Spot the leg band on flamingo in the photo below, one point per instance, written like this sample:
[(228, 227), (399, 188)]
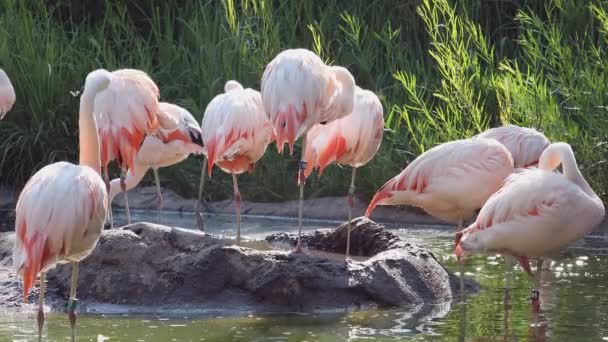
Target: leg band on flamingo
[(351, 196), (301, 169)]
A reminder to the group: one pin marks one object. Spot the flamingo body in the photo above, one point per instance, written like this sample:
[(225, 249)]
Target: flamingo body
[(525, 144), (351, 140), (59, 218), (300, 91), (235, 130), (451, 180), (126, 112), (7, 94), (537, 211)]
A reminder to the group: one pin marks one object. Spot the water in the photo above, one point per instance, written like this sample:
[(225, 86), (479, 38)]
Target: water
[(574, 296)]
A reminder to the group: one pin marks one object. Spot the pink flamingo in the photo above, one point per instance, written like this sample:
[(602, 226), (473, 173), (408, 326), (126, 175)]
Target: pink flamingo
[(525, 144), (450, 181), (536, 212), (352, 140), (126, 112), (7, 94), (161, 149), (62, 209), (235, 133), (298, 92)]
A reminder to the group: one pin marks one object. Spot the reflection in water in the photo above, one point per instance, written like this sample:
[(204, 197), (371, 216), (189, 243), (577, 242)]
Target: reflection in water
[(573, 296)]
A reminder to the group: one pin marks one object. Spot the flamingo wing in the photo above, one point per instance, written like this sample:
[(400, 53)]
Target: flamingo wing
[(450, 180), (534, 213), (7, 94), (126, 112), (525, 144), (59, 218), (235, 129)]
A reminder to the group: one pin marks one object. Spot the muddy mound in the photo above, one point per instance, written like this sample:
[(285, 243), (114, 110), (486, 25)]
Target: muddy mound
[(148, 265)]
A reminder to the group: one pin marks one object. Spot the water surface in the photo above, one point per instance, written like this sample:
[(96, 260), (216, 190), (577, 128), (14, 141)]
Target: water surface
[(574, 296)]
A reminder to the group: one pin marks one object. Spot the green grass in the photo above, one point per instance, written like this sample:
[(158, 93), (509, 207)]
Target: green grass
[(444, 70)]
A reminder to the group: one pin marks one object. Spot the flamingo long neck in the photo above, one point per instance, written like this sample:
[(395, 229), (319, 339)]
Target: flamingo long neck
[(572, 172), (87, 133), (347, 85)]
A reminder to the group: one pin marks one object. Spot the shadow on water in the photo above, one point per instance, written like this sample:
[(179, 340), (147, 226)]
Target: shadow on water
[(573, 296)]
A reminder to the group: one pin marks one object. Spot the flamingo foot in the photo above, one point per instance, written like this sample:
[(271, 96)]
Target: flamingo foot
[(72, 303), (298, 248)]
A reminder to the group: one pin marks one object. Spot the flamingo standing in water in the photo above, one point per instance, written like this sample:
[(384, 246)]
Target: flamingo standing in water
[(298, 92), (7, 94), (526, 145), (161, 149), (450, 181), (536, 212), (62, 209), (235, 133), (352, 140), (126, 112)]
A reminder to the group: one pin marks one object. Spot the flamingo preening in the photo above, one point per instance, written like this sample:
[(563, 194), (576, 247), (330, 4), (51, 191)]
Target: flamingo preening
[(161, 149), (7, 94), (352, 140), (62, 209), (536, 212), (526, 145), (126, 112), (450, 181), (235, 133), (298, 92)]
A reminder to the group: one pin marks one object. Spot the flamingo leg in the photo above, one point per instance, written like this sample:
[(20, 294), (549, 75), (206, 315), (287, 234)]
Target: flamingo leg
[(301, 182), (237, 205), (106, 180), (123, 187), (508, 272), (351, 203), (198, 206), (41, 306), (536, 291), (461, 266), (72, 303), (159, 196)]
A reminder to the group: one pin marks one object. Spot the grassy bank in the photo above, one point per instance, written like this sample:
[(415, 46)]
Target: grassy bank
[(443, 72)]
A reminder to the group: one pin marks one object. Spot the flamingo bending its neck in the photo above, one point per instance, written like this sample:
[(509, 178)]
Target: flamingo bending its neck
[(235, 133), (352, 140), (450, 181), (298, 92), (62, 209), (161, 149), (536, 212)]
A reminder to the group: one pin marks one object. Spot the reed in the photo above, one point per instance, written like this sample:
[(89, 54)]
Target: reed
[(444, 70)]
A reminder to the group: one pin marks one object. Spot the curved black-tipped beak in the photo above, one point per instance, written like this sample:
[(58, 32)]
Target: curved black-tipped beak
[(196, 137)]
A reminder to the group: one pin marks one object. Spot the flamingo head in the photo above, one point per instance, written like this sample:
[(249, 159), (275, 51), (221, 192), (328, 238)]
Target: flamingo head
[(97, 80), (7, 94), (467, 241)]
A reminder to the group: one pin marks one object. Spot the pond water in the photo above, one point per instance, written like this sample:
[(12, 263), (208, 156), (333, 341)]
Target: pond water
[(574, 297)]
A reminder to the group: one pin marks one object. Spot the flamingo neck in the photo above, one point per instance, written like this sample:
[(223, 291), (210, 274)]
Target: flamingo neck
[(88, 137), (571, 171)]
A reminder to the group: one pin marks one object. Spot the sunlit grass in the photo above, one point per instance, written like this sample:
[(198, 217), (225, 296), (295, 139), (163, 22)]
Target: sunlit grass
[(442, 71)]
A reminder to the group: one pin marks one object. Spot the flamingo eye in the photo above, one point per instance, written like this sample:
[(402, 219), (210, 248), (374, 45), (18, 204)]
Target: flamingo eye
[(284, 124)]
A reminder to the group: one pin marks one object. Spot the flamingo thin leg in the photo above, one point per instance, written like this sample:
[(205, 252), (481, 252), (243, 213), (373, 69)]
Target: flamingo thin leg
[(198, 206), (301, 182), (123, 187), (41, 307), (72, 303), (159, 196), (106, 180), (237, 205), (351, 203), (461, 268), (536, 291)]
